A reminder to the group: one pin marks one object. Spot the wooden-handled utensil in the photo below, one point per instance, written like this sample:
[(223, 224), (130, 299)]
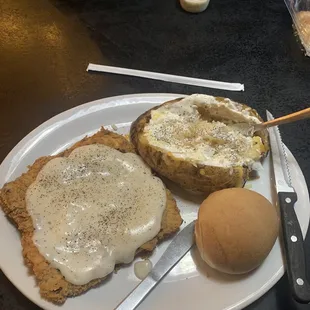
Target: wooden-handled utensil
[(296, 261), (290, 118)]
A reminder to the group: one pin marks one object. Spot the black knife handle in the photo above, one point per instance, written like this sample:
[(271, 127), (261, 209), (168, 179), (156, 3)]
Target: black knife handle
[(294, 248)]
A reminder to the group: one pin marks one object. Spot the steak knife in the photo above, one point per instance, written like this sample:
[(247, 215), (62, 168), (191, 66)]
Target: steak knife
[(178, 247), (292, 235)]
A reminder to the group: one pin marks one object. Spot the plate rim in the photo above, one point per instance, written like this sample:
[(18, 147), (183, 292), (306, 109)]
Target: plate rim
[(89, 104), (43, 126)]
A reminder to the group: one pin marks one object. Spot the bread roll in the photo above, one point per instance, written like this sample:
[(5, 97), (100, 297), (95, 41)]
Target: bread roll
[(236, 229)]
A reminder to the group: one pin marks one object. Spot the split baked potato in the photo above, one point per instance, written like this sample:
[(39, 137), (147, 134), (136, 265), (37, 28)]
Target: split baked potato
[(210, 170)]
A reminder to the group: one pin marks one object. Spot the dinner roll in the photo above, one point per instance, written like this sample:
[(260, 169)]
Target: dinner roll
[(236, 229)]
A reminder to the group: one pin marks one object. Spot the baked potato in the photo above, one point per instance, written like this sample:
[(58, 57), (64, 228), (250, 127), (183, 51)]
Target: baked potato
[(193, 137)]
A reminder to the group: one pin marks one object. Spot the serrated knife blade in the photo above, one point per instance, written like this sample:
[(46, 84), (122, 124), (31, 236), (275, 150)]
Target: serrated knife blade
[(282, 173), (292, 235)]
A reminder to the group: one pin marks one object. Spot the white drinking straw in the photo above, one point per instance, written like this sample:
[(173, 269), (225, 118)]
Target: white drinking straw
[(167, 77)]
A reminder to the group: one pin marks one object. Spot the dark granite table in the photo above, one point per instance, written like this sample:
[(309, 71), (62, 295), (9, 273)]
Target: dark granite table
[(46, 46)]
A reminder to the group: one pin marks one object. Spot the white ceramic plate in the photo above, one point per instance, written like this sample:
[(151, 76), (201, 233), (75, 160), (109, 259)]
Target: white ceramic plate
[(191, 284)]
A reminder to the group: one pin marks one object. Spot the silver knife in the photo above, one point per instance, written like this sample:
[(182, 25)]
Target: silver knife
[(292, 236), (178, 247)]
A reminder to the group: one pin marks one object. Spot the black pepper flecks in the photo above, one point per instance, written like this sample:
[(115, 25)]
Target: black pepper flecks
[(98, 202)]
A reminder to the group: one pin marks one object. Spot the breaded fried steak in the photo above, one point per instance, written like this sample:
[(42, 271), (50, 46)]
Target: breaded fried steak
[(53, 286)]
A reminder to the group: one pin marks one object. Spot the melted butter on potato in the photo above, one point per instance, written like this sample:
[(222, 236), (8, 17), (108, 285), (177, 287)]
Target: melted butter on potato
[(206, 130)]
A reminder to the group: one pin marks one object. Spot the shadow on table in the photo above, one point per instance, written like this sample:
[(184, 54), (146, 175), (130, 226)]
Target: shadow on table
[(284, 297), (12, 298), (278, 298)]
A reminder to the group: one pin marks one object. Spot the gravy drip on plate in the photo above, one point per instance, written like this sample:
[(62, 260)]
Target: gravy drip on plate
[(93, 210), (143, 268)]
